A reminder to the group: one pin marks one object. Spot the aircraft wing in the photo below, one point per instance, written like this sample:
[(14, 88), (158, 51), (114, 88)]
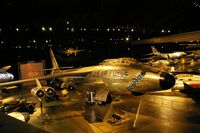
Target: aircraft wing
[(79, 73), (70, 74), (182, 37)]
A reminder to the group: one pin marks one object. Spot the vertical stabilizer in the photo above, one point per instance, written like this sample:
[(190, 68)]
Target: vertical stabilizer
[(53, 60), (155, 51), (38, 83)]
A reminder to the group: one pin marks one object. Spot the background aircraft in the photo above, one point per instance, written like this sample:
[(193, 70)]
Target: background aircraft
[(173, 55), (166, 65), (186, 85), (17, 108), (117, 76), (4, 75), (71, 51), (189, 82), (195, 54)]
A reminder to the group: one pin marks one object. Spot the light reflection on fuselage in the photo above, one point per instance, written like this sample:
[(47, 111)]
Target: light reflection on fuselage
[(5, 77)]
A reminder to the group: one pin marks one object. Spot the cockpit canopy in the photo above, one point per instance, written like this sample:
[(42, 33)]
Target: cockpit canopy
[(119, 61)]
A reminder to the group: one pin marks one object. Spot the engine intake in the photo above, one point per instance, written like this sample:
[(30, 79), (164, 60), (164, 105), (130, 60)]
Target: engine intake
[(49, 91), (38, 92), (41, 91)]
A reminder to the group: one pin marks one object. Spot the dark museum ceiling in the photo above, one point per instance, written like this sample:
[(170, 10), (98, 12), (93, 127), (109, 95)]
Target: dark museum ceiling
[(149, 13)]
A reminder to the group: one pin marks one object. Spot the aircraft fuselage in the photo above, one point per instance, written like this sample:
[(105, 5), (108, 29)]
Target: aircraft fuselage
[(122, 78), (172, 55)]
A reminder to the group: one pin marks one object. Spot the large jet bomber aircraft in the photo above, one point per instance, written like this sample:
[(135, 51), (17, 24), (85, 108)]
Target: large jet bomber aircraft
[(122, 75)]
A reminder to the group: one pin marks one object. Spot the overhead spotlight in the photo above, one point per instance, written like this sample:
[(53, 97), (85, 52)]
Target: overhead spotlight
[(43, 28), (72, 29), (127, 38), (50, 29)]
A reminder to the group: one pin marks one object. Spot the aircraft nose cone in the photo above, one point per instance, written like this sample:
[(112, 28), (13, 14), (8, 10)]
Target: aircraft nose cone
[(167, 80)]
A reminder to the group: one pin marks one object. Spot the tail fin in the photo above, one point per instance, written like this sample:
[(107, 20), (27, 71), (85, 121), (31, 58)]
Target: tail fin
[(53, 60), (154, 50)]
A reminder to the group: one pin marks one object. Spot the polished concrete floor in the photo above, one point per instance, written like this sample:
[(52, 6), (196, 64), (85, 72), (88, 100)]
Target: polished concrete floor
[(157, 112)]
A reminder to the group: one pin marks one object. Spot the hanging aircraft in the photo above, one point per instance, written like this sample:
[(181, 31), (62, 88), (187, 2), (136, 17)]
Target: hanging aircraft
[(71, 51), (122, 75)]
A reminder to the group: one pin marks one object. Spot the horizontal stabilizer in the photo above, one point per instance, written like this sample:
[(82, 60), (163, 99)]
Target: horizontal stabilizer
[(149, 54), (5, 68), (60, 68)]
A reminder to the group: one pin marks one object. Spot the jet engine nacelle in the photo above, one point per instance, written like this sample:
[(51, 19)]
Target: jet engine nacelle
[(39, 92)]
